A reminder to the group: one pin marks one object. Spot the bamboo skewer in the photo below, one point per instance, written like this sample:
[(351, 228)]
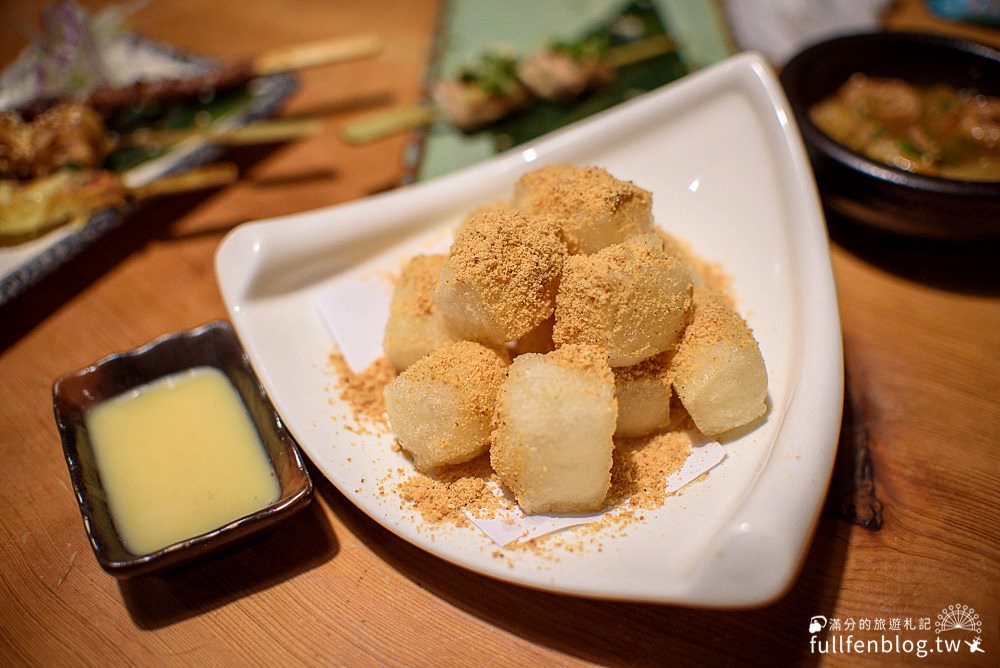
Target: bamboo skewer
[(70, 198), (24, 165), (386, 123), (198, 178), (636, 52), (314, 54), (260, 132), (107, 99)]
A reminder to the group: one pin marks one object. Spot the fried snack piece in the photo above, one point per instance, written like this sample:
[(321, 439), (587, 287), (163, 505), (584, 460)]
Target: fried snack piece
[(441, 407), (415, 326), (643, 393), (593, 208), (555, 419), (501, 276), (718, 371), (632, 299)]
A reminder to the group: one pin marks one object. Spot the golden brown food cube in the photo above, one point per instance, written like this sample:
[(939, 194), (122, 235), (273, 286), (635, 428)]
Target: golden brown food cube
[(594, 209), (643, 393), (441, 408), (415, 326), (555, 420), (718, 371), (632, 299), (501, 276), (498, 206)]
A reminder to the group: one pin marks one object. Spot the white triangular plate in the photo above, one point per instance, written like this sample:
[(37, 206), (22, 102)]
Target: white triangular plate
[(722, 156)]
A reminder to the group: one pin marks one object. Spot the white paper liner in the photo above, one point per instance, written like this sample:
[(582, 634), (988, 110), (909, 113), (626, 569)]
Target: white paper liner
[(355, 311), (511, 526)]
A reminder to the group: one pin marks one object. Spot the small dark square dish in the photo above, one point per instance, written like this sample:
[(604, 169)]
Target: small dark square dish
[(215, 346), (876, 193)]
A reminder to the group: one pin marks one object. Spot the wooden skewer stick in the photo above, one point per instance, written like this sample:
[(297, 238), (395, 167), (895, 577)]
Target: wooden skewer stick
[(313, 54), (70, 197), (109, 99), (386, 123), (635, 52), (198, 178), (260, 132)]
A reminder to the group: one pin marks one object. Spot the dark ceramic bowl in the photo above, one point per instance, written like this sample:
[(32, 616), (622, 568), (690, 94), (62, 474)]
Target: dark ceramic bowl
[(213, 345), (873, 192)]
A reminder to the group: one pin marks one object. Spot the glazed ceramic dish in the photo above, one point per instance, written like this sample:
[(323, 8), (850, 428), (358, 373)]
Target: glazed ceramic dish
[(22, 265), (212, 345), (875, 193), (469, 27), (721, 154)]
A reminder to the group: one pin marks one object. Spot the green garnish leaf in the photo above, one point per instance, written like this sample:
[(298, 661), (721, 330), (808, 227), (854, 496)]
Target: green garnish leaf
[(494, 73), (594, 46)]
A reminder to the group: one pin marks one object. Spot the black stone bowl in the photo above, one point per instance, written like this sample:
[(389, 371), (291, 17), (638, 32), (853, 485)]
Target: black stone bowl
[(875, 193)]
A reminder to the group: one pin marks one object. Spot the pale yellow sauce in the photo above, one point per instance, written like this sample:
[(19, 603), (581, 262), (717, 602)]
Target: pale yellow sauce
[(179, 457)]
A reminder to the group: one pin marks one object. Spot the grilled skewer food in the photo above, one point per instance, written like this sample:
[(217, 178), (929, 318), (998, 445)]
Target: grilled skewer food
[(107, 100), (497, 86), (68, 134), (29, 209), (74, 135), (482, 93), (566, 71)]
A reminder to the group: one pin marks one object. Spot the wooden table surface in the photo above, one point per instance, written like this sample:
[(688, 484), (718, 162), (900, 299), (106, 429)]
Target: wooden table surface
[(921, 327)]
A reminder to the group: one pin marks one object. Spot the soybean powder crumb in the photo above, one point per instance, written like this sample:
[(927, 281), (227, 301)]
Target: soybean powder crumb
[(363, 391)]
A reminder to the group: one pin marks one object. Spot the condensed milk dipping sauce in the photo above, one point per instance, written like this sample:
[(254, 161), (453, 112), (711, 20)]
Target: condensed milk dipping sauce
[(179, 457)]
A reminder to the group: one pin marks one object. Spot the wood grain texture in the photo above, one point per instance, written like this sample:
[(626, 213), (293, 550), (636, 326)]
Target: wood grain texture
[(921, 330)]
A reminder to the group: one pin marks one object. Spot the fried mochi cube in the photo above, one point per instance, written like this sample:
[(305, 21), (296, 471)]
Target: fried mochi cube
[(632, 299), (643, 393), (501, 276), (555, 418), (415, 326), (594, 209), (441, 408), (718, 371)]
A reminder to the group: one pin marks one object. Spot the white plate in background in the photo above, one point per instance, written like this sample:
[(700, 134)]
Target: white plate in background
[(720, 153)]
